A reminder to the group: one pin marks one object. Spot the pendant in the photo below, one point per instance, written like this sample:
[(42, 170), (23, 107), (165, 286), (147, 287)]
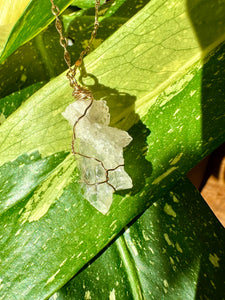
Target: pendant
[(98, 149)]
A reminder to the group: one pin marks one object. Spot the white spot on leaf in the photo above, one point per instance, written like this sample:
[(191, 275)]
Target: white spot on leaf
[(87, 295), (176, 112), (53, 277), (63, 262), (112, 295), (18, 232), (192, 93)]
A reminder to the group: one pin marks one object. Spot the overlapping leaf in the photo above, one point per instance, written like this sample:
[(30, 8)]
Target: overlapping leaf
[(36, 16), (175, 250)]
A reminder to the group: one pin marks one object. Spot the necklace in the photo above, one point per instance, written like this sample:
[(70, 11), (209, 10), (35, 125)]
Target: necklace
[(97, 147)]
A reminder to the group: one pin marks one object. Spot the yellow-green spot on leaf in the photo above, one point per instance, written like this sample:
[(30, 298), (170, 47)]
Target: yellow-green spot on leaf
[(165, 282), (172, 261), (214, 259), (176, 159), (213, 284), (2, 118), (178, 248), (169, 210), (145, 236), (174, 198), (166, 237), (164, 175), (23, 78), (95, 44), (53, 277)]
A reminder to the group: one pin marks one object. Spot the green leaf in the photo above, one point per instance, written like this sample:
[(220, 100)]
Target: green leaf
[(85, 3), (182, 245), (54, 212), (112, 274), (20, 177), (153, 61), (79, 24), (10, 103), (193, 119), (34, 19), (175, 250)]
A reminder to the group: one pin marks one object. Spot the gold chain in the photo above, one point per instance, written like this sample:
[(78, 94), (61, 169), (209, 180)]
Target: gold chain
[(64, 43)]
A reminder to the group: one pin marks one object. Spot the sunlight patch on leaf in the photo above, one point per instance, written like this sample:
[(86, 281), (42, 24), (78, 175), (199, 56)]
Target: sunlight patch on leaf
[(10, 10)]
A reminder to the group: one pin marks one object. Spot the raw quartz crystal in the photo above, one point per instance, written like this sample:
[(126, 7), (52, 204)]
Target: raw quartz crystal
[(96, 139)]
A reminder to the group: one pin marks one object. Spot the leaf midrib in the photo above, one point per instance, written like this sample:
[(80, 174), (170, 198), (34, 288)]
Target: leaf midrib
[(130, 268)]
